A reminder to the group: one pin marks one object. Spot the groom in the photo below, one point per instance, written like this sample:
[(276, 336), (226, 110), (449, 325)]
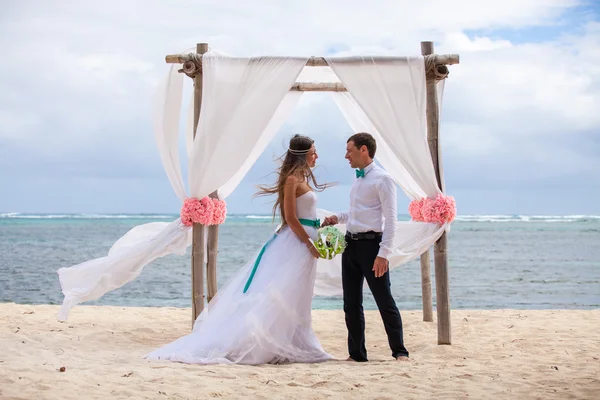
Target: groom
[(372, 201)]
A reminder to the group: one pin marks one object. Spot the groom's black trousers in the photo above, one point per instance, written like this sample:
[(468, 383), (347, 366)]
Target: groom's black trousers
[(357, 264)]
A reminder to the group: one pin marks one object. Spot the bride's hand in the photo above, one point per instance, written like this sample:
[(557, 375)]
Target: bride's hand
[(313, 250)]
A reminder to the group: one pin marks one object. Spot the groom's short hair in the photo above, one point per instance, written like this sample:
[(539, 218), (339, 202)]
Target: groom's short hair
[(364, 139)]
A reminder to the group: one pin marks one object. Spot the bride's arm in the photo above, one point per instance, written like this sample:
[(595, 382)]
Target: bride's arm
[(289, 207)]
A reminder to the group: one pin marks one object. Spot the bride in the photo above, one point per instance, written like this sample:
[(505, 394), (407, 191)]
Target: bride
[(263, 314)]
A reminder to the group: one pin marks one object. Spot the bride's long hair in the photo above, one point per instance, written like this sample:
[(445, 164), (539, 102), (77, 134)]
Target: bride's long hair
[(293, 162)]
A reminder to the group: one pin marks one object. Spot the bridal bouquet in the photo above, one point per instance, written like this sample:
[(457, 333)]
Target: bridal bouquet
[(330, 242)]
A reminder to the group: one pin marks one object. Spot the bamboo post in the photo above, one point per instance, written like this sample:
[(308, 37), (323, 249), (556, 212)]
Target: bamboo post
[(440, 254), (425, 258), (426, 287), (211, 266), (198, 229)]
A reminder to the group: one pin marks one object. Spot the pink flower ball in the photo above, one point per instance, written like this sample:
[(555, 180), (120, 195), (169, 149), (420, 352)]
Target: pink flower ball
[(188, 211), (219, 212), (415, 209), (446, 209), (196, 211), (440, 210), (204, 212)]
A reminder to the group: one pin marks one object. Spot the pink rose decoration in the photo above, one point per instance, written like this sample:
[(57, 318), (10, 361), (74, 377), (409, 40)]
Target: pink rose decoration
[(446, 209), (415, 210), (219, 212), (188, 211), (196, 211), (206, 211), (428, 210), (440, 210)]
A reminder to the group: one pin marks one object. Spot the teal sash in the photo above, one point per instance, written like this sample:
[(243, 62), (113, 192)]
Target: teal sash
[(313, 223)]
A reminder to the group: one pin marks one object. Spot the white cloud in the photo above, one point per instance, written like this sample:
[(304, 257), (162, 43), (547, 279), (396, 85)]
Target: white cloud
[(558, 79), (529, 108), (460, 43)]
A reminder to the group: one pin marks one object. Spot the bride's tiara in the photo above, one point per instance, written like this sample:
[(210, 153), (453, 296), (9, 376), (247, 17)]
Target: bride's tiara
[(298, 152)]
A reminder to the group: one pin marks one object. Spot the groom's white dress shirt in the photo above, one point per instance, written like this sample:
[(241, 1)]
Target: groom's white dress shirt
[(373, 207)]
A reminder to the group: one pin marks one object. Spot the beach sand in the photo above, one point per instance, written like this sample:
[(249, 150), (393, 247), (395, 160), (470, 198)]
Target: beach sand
[(501, 354)]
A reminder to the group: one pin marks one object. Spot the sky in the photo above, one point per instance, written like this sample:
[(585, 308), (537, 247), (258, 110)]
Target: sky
[(520, 128)]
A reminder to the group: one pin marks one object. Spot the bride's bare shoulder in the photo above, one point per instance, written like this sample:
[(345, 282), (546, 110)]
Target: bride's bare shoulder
[(295, 179), (292, 180)]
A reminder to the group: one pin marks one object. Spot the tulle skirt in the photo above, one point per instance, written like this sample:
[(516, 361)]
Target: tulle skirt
[(270, 323)]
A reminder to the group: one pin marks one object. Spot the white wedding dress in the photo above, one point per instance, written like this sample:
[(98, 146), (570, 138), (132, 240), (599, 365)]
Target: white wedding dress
[(271, 322)]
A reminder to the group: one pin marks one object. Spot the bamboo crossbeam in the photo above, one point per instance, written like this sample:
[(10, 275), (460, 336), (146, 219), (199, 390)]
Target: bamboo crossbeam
[(438, 59), (318, 87)]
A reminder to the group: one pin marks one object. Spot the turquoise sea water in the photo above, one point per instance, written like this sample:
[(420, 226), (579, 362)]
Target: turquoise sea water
[(496, 261)]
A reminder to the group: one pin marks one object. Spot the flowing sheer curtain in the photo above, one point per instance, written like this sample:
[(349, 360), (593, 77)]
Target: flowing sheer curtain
[(393, 97), (281, 115), (242, 101), (239, 98), (440, 97), (412, 238), (387, 98)]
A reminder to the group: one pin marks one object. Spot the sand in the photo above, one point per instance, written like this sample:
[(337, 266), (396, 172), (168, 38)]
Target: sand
[(502, 354)]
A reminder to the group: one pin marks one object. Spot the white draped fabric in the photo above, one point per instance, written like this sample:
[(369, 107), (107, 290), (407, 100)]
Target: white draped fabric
[(244, 103), (388, 100), (393, 97), (282, 113), (240, 99), (440, 96)]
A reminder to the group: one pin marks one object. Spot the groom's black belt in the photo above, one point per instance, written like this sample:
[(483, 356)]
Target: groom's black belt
[(363, 235)]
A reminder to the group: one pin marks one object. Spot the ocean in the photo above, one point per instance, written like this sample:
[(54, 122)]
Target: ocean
[(495, 261)]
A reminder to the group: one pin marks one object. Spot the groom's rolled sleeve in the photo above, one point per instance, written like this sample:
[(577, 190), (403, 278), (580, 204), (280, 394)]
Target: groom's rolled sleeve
[(386, 189), (342, 217)]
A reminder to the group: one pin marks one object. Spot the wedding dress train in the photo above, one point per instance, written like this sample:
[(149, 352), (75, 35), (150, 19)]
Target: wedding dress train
[(270, 322)]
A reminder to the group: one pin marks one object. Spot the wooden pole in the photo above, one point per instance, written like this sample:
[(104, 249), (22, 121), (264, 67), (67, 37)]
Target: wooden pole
[(440, 254), (425, 259), (198, 229), (213, 250), (426, 287)]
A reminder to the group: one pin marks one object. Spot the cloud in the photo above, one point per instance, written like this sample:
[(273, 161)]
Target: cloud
[(525, 114), (78, 77)]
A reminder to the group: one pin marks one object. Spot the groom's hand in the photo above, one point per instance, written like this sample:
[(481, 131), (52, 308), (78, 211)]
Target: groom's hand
[(332, 220), (380, 267)]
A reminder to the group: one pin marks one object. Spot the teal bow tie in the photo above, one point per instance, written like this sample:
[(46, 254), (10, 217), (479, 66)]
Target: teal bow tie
[(360, 173)]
